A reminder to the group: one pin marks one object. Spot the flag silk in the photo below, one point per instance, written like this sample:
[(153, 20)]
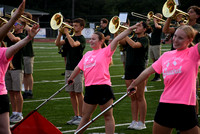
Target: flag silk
[(34, 123)]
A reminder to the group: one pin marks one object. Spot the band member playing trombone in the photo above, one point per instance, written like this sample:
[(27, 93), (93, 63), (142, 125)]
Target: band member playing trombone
[(74, 51), (137, 51)]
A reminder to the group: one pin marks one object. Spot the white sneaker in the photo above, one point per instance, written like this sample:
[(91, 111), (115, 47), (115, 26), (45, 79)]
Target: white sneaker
[(77, 121), (12, 117), (140, 126), (16, 118), (145, 89), (72, 120), (132, 125)]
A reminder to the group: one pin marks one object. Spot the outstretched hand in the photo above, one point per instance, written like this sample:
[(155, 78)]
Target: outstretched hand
[(33, 31), (20, 10)]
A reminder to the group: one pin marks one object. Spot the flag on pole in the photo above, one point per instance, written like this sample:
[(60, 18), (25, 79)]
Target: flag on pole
[(34, 123)]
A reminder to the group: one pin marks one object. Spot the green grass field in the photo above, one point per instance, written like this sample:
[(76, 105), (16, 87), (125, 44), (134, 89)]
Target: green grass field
[(48, 67)]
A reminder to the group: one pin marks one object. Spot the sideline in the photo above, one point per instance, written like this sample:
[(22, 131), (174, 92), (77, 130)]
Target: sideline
[(100, 127)]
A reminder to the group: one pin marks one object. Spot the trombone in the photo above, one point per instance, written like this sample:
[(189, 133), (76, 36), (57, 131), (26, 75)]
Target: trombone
[(32, 21), (170, 10), (139, 15), (114, 26), (57, 23)]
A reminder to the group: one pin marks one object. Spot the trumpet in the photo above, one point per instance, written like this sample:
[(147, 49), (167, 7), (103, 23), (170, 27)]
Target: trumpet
[(57, 23), (151, 15), (170, 10), (32, 21), (114, 26)]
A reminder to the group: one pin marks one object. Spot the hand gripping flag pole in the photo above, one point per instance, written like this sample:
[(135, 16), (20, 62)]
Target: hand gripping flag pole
[(108, 108)]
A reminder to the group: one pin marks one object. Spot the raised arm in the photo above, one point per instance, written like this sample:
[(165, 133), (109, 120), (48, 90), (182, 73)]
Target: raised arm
[(122, 35), (5, 28), (15, 48), (167, 28)]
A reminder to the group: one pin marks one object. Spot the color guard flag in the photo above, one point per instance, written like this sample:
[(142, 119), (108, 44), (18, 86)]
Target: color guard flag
[(34, 123)]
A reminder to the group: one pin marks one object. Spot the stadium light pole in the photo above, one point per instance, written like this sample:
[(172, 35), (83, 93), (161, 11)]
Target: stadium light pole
[(72, 9)]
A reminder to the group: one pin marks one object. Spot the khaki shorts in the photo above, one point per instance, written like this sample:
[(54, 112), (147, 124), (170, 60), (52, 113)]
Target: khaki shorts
[(77, 86), (155, 51), (13, 80), (28, 65)]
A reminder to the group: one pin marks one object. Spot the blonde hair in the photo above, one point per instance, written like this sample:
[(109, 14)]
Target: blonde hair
[(188, 30)]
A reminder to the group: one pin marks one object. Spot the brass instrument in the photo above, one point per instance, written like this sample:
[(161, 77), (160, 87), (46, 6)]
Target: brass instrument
[(151, 15), (139, 15), (4, 21), (32, 21), (170, 10), (114, 26), (57, 23)]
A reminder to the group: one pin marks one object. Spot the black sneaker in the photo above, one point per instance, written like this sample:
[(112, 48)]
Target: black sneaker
[(27, 95)]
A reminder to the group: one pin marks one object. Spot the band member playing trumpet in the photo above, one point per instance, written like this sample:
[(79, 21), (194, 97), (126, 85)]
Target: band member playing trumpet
[(136, 53), (14, 77), (74, 52), (155, 47), (28, 58)]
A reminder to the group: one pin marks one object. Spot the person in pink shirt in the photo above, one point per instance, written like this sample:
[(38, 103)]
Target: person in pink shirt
[(95, 66), (6, 55), (179, 67)]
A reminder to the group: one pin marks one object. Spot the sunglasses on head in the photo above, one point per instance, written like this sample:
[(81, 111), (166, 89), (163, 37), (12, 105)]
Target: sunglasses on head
[(16, 23)]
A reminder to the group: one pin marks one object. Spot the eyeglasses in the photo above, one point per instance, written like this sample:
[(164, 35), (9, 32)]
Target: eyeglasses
[(16, 23)]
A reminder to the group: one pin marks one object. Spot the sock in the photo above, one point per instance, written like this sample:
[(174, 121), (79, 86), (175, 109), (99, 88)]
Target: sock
[(19, 113), (14, 113)]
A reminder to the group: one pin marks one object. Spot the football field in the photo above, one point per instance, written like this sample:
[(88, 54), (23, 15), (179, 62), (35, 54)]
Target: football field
[(48, 67)]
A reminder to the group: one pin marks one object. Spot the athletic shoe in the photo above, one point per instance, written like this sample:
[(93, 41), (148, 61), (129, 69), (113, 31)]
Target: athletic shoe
[(77, 121), (145, 89), (12, 117), (123, 77), (139, 126), (27, 95), (72, 120), (17, 118), (132, 125)]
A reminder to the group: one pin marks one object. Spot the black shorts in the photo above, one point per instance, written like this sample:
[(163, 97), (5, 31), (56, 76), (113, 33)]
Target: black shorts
[(4, 104), (179, 116), (98, 94), (132, 72)]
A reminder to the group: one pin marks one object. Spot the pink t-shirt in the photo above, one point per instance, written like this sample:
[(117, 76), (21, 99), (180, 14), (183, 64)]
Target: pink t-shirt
[(179, 69), (3, 68), (95, 65)]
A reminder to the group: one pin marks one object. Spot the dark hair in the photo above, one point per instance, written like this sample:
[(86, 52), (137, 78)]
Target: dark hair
[(197, 10), (147, 26), (67, 20), (104, 20), (80, 21), (28, 15)]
